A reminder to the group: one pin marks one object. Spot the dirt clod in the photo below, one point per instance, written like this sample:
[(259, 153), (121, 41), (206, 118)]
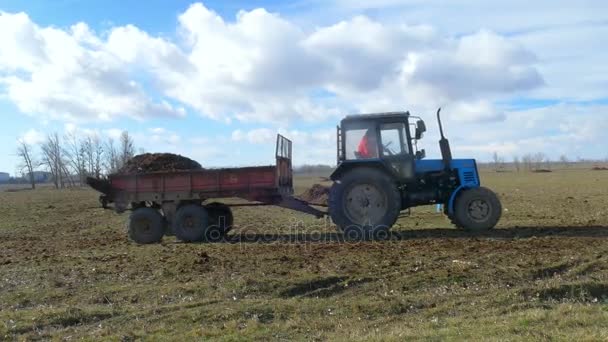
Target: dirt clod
[(154, 162), (316, 194)]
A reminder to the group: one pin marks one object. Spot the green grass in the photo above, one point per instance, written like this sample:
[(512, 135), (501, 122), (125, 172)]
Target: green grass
[(67, 270)]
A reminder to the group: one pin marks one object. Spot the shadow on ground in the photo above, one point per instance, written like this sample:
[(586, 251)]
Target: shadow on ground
[(439, 233)]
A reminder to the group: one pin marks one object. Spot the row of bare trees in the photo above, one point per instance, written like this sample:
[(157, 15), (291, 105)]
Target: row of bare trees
[(71, 158), (529, 162)]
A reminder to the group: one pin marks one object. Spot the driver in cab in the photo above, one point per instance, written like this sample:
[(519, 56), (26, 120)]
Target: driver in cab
[(368, 146)]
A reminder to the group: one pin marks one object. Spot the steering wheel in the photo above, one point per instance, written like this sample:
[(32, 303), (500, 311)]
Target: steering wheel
[(387, 149)]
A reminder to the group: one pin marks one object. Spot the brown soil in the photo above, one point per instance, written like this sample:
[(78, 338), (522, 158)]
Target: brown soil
[(316, 194), (153, 162), (600, 168), (68, 269)]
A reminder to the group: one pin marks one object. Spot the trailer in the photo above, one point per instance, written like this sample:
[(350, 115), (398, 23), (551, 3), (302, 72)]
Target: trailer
[(179, 202)]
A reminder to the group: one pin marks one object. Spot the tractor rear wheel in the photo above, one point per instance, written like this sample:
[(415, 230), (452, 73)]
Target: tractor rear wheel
[(477, 210), (220, 221), (146, 226), (364, 204), (190, 223)]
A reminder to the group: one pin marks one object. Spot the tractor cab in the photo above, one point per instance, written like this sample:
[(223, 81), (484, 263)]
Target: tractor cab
[(384, 140)]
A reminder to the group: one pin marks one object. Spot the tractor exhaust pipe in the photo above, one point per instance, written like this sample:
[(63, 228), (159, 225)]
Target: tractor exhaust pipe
[(444, 144)]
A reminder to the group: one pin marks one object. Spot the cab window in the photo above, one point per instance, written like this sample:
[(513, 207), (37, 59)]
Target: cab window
[(361, 142), (393, 139)]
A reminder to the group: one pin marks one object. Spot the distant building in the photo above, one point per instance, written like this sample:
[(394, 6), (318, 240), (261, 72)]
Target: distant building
[(4, 177)]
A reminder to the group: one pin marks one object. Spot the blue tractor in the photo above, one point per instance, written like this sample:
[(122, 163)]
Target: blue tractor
[(379, 175)]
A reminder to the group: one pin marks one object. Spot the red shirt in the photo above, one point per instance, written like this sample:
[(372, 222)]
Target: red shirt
[(364, 148)]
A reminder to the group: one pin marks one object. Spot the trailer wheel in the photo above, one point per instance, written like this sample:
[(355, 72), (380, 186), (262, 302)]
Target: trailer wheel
[(364, 204), (477, 210), (145, 226), (190, 223), (220, 221)]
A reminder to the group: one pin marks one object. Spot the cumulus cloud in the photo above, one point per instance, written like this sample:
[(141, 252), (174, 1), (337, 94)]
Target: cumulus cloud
[(258, 68), (32, 137), (476, 66), (160, 135), (480, 111), (310, 147), (69, 74), (562, 129), (254, 136)]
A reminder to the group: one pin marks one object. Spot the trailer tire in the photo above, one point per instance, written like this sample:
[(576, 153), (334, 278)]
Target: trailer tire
[(364, 203), (220, 221), (477, 210), (145, 226), (190, 223)]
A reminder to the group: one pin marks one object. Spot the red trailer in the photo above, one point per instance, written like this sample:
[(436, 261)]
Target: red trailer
[(178, 202)]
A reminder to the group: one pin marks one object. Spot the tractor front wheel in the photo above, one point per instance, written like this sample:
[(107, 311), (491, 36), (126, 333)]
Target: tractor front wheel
[(477, 210), (364, 204)]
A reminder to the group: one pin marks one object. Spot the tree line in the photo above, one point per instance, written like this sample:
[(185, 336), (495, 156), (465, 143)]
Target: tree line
[(535, 162), (70, 158)]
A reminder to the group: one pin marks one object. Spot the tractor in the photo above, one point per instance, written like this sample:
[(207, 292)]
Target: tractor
[(380, 173)]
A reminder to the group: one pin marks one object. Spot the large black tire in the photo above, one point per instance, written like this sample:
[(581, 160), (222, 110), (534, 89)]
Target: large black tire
[(477, 210), (364, 203), (146, 225), (220, 221), (190, 223)]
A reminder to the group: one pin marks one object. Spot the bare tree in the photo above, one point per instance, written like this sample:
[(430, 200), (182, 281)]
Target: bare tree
[(93, 153), (24, 151), (53, 157), (76, 155), (111, 157), (127, 148), (114, 156), (499, 162), (97, 156), (527, 161), (564, 161), (539, 160), (517, 163)]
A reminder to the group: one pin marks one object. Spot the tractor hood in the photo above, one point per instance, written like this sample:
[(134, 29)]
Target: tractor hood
[(431, 165)]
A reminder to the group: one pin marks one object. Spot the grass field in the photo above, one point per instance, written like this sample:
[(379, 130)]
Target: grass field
[(67, 271)]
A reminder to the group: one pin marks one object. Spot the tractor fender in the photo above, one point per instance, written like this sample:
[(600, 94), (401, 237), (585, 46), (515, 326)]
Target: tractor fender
[(454, 195), (346, 166)]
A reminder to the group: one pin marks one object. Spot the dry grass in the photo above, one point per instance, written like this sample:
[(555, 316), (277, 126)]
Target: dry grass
[(67, 270)]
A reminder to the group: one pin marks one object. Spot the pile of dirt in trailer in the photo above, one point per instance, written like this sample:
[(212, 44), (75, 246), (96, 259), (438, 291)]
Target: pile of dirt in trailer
[(316, 194), (154, 162)]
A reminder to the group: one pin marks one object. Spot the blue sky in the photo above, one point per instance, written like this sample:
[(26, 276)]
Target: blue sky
[(217, 80)]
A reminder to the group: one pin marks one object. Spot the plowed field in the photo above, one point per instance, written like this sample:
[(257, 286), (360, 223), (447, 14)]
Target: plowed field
[(67, 271)]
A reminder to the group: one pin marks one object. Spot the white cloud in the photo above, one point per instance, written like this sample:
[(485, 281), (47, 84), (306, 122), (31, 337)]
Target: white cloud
[(69, 74), (465, 16), (171, 138), (113, 133), (479, 111), (476, 60), (309, 147), (254, 136), (32, 137), (259, 68), (562, 129)]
